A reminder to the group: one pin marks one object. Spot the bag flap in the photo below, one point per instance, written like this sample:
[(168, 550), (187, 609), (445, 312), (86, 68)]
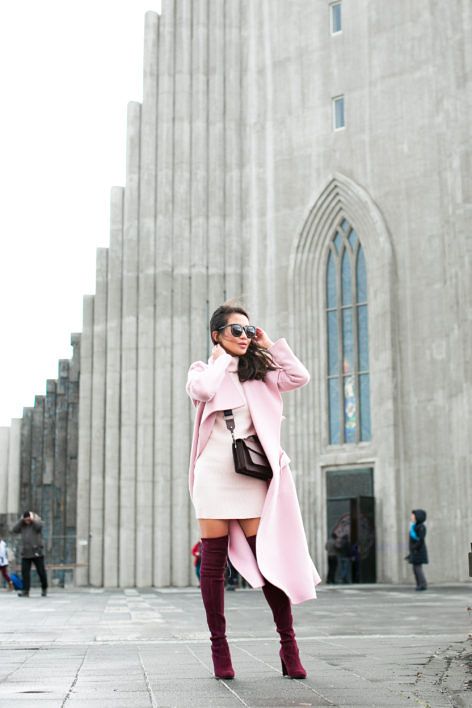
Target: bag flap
[(253, 444)]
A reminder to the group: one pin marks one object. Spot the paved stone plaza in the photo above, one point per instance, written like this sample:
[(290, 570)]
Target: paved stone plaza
[(369, 646)]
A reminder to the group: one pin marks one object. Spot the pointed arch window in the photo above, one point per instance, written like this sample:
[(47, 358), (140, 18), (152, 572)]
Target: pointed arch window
[(348, 339)]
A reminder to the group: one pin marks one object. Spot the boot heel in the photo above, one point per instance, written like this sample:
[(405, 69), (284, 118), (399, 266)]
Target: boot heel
[(222, 660), (291, 664)]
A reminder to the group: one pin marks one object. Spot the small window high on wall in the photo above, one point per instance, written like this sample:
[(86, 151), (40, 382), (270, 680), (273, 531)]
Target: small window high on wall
[(348, 339), (339, 121), (336, 17)]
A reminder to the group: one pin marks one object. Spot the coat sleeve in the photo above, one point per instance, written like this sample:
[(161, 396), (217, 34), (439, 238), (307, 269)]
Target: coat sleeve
[(291, 374), (421, 533), (204, 380), (18, 526)]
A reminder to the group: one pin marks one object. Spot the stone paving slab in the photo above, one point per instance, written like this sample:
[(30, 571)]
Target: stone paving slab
[(362, 646)]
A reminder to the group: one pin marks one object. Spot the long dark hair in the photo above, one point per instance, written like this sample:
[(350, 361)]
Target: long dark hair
[(256, 362)]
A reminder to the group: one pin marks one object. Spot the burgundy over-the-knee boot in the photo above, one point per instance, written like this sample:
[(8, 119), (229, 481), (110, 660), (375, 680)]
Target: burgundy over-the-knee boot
[(280, 605), (214, 555)]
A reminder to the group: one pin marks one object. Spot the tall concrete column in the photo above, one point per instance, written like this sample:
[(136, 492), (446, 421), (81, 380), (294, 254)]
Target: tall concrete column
[(49, 460), (70, 499), (181, 300), (37, 453), (4, 453), (13, 501), (146, 304), (163, 350), (97, 468), (199, 338), (216, 157), (250, 149), (111, 502), (274, 272), (456, 285), (60, 459), (129, 334), (49, 429), (85, 442), (25, 459), (261, 269), (232, 150)]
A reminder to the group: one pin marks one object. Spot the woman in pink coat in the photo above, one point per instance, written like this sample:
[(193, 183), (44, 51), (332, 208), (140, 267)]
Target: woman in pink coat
[(258, 524)]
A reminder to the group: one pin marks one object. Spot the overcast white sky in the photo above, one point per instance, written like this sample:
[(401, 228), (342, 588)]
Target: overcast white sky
[(67, 71)]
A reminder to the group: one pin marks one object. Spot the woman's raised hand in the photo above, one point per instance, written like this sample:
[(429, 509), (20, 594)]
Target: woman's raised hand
[(262, 339)]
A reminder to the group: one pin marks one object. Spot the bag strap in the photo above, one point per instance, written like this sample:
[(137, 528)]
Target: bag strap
[(229, 420)]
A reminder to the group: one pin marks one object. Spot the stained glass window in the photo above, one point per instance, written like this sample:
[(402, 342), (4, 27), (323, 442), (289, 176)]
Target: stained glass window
[(348, 339)]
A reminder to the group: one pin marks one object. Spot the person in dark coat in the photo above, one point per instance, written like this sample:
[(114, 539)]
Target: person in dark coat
[(418, 555), (345, 557), (30, 527)]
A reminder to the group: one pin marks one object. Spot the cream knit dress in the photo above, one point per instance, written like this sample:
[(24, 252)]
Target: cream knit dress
[(218, 491)]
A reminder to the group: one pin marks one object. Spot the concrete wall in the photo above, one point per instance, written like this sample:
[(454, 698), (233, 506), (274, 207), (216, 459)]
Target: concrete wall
[(399, 173), (9, 472), (174, 244), (9, 481), (45, 462), (4, 450), (235, 181)]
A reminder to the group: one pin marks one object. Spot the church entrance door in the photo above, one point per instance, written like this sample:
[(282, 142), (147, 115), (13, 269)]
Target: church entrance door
[(351, 517)]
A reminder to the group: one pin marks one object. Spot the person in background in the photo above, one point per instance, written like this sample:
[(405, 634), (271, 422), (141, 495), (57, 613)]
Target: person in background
[(418, 555), (345, 558), (197, 558), (333, 551), (231, 577), (30, 527), (355, 563), (4, 563)]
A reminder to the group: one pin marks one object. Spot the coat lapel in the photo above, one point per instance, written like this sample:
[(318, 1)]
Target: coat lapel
[(227, 396)]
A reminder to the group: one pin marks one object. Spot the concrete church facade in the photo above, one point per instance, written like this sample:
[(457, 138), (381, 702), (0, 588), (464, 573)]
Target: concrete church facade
[(312, 159)]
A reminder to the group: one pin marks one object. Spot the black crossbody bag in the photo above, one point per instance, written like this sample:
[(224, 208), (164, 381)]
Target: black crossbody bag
[(248, 454)]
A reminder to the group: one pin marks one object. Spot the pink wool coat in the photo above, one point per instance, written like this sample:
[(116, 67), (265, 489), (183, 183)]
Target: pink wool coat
[(282, 549)]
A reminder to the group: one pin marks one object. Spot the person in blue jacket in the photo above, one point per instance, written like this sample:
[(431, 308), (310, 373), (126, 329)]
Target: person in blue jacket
[(418, 555)]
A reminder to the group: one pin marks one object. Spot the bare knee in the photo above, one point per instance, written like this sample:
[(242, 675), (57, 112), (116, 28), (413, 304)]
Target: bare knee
[(250, 526), (213, 528)]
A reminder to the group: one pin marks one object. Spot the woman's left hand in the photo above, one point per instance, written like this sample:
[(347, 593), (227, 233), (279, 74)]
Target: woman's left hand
[(262, 339)]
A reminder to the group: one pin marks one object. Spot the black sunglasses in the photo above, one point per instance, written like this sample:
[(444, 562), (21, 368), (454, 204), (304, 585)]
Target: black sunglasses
[(237, 330)]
